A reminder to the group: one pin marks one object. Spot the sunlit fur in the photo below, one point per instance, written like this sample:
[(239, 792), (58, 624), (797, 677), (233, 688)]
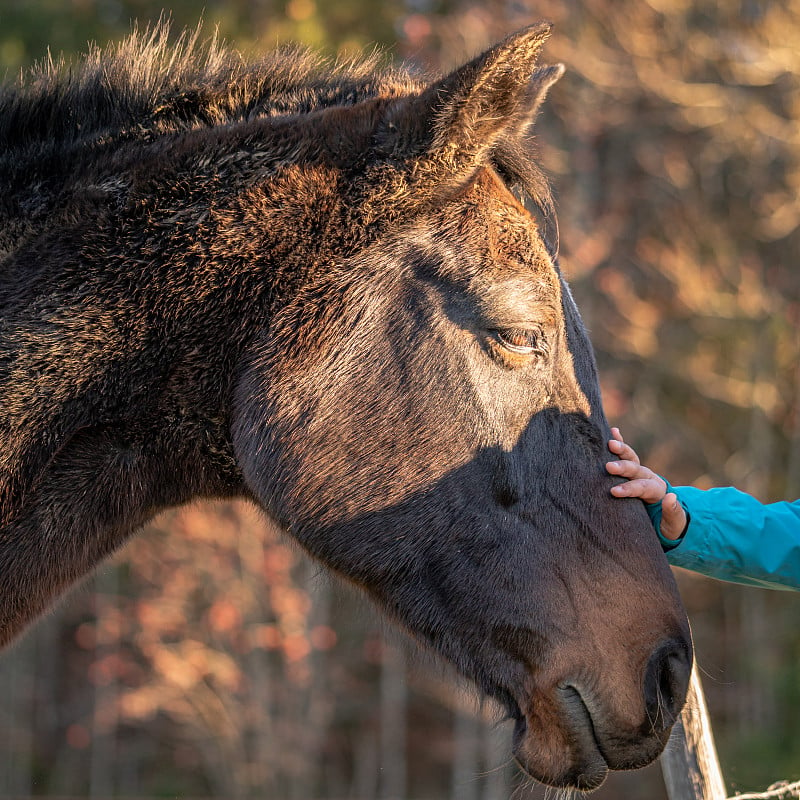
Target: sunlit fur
[(297, 282)]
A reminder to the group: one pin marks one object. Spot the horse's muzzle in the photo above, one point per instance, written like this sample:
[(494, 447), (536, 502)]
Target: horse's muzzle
[(580, 764), (572, 737)]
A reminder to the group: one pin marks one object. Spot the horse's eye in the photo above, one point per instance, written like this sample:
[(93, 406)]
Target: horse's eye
[(519, 340)]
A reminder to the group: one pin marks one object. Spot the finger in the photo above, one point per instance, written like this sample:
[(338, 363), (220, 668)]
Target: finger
[(626, 468), (617, 441), (622, 450), (627, 453), (647, 489), (632, 488)]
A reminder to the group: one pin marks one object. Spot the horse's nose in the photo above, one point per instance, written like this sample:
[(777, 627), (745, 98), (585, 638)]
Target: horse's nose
[(666, 680)]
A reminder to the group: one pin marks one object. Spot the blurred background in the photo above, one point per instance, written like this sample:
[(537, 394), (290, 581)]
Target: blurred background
[(212, 659)]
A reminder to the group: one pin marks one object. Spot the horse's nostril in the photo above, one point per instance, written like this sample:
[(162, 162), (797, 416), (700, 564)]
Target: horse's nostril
[(666, 680)]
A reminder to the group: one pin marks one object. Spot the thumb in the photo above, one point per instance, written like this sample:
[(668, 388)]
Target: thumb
[(673, 517)]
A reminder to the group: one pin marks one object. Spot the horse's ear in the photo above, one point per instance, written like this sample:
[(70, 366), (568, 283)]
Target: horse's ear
[(458, 120), (538, 87)]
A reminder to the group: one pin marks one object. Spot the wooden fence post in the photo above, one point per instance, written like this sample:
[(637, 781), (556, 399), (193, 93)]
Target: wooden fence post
[(689, 762)]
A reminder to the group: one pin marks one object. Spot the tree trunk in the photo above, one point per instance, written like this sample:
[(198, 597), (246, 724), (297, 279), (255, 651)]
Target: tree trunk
[(393, 723)]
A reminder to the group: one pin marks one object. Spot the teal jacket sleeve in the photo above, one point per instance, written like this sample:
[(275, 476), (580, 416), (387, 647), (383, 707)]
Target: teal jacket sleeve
[(733, 537)]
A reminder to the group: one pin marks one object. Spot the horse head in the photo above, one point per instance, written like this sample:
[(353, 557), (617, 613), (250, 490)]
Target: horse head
[(424, 417)]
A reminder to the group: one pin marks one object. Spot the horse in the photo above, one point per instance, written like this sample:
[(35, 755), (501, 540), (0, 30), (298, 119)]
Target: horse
[(332, 289)]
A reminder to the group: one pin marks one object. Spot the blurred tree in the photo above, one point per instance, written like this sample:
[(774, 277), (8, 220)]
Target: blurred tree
[(29, 29)]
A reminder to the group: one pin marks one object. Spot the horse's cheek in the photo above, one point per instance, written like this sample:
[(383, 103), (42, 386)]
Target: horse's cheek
[(287, 440), (252, 435)]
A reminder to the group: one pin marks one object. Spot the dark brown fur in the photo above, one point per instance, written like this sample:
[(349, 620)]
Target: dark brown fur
[(303, 284)]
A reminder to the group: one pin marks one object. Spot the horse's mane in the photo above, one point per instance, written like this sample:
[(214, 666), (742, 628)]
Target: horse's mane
[(148, 85), (152, 84)]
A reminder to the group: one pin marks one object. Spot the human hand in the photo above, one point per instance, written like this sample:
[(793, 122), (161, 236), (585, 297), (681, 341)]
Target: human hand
[(646, 485)]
